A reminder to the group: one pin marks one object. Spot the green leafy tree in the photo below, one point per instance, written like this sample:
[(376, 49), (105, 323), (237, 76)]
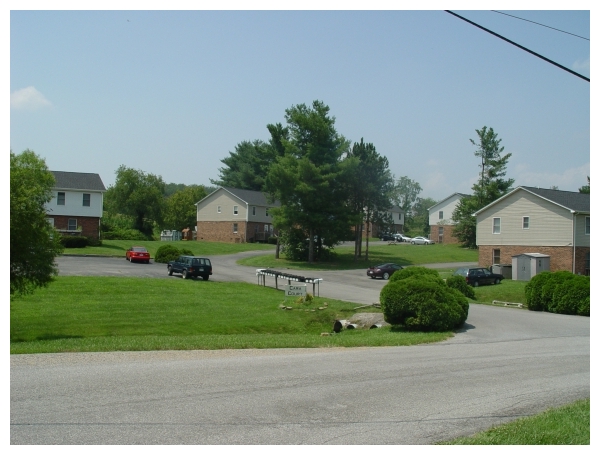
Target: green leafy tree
[(490, 186), (180, 208), (368, 183), (406, 194), (585, 189), (139, 195), (417, 224), (308, 180), (34, 243)]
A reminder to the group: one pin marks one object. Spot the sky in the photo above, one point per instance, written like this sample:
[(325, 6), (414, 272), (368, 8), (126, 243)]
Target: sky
[(172, 92)]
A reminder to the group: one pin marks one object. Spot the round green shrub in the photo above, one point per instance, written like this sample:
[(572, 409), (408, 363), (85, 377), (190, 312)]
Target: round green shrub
[(550, 286), (412, 271), (533, 291), (423, 304), (186, 252), (459, 283), (570, 296), (166, 253)]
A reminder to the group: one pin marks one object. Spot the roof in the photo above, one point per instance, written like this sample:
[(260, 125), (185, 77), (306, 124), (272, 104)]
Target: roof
[(534, 255), (447, 198), (571, 201), (250, 197), (78, 181)]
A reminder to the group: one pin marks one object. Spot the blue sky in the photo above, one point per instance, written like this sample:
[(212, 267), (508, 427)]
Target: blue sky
[(173, 92)]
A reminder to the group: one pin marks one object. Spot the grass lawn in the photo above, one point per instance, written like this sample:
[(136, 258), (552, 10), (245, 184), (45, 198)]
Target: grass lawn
[(402, 254), (200, 248), (76, 314), (566, 425)]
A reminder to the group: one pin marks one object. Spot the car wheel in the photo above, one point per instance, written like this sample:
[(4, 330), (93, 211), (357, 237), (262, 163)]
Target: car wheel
[(496, 281), (205, 277), (373, 277), (386, 276), (147, 261), (475, 284), (413, 242), (184, 274), (169, 270)]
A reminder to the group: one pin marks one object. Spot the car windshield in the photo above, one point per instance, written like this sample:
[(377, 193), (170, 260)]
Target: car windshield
[(201, 262), (139, 249), (462, 271)]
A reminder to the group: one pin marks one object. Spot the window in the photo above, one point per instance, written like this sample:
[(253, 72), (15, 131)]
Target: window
[(441, 215), (267, 212), (235, 228), (50, 220), (587, 226), (496, 256), (86, 199), (235, 210), (218, 209), (525, 223), (253, 210), (72, 225), (400, 216), (266, 228), (496, 225), (60, 198)]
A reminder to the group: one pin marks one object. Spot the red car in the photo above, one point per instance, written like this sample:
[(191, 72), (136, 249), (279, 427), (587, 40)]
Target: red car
[(383, 271), (136, 253)]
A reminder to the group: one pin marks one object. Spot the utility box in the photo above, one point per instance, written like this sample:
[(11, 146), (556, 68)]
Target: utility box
[(527, 265), (503, 269)]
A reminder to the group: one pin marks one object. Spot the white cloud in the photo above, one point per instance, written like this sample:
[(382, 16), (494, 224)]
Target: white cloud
[(570, 179), (580, 65), (28, 99)]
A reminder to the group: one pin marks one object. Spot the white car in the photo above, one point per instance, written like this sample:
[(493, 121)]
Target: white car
[(421, 240), (401, 238)]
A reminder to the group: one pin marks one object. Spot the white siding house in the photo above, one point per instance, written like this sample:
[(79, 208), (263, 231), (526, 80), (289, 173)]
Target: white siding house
[(441, 223)]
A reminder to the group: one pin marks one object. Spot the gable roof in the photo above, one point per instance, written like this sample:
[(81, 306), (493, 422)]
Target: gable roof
[(571, 201), (78, 181), (250, 197), (463, 195)]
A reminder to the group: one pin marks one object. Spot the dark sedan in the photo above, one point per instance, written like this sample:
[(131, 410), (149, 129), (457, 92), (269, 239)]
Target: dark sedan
[(383, 270), (476, 276)]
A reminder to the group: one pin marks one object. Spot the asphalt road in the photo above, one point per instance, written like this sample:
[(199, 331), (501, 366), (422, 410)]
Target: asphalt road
[(505, 363)]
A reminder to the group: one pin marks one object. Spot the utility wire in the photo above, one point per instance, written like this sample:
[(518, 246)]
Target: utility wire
[(520, 46), (537, 23)]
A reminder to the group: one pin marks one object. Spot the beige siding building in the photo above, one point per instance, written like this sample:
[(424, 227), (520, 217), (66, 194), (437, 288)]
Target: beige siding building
[(441, 223), (234, 215), (533, 220)]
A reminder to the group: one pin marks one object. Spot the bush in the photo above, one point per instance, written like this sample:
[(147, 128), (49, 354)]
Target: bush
[(424, 304), (413, 271), (125, 234), (533, 291), (166, 253), (460, 283), (272, 240), (572, 297), (186, 252), (74, 242)]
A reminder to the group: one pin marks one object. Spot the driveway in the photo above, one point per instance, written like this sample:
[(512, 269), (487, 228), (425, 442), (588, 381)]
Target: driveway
[(505, 363)]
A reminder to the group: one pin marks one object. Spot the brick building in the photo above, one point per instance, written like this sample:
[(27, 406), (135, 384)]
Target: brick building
[(533, 220), (441, 223)]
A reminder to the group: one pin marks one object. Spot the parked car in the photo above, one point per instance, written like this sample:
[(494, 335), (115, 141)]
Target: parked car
[(137, 253), (421, 240), (190, 266), (401, 238), (383, 271), (387, 236), (476, 276)]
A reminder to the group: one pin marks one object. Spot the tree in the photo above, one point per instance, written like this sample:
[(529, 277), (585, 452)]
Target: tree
[(138, 195), (406, 193), (34, 243), (307, 181), (368, 183), (490, 186), (585, 189), (180, 208), (418, 222)]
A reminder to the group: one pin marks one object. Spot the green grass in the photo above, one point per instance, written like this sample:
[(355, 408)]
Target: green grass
[(506, 291), (403, 254), (566, 425), (118, 247), (76, 314)]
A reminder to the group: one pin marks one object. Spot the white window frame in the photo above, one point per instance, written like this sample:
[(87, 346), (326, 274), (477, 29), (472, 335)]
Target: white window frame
[(266, 212), (89, 200), (494, 225), (494, 256), (50, 220), (219, 209), (235, 210), (440, 215), (587, 226), (253, 210), (69, 224), (235, 228), (58, 198), (525, 224)]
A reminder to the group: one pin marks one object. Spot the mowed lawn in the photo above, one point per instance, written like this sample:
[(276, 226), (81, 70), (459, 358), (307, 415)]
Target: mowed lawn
[(123, 313)]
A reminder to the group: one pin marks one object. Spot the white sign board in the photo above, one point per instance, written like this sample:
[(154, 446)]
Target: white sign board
[(295, 290)]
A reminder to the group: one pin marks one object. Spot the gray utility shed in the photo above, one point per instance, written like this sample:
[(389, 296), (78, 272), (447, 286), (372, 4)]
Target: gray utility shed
[(527, 265)]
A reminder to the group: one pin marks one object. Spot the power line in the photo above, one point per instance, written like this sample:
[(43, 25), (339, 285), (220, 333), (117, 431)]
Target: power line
[(537, 23), (520, 46)]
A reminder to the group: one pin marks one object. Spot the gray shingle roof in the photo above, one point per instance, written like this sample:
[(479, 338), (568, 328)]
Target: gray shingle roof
[(574, 201), (252, 197), (78, 181)]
